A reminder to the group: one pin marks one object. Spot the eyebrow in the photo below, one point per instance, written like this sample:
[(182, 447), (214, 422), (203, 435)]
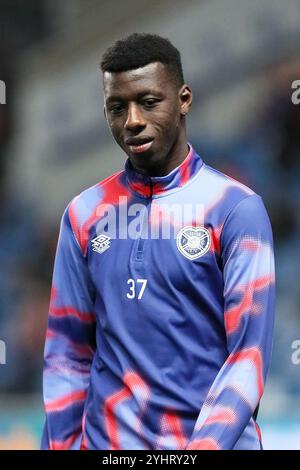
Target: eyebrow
[(138, 96)]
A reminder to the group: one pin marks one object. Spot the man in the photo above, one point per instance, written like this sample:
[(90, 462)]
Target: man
[(161, 316)]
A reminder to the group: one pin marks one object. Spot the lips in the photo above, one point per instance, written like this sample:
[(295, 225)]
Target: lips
[(139, 145), (140, 148)]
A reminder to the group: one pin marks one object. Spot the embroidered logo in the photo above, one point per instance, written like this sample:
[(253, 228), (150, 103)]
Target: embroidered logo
[(101, 243), (193, 242)]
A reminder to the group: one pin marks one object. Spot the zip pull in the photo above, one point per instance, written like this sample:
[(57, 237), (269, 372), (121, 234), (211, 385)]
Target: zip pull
[(151, 188)]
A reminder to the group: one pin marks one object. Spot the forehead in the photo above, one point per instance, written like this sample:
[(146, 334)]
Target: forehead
[(151, 77)]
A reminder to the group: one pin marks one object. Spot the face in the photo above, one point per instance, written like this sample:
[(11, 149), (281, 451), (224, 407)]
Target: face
[(144, 109)]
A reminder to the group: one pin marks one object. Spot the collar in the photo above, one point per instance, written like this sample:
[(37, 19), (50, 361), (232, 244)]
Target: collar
[(148, 186)]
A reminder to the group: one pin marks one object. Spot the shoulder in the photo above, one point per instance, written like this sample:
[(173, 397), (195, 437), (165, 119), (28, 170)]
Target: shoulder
[(223, 182), (222, 193), (82, 209), (239, 198), (242, 217)]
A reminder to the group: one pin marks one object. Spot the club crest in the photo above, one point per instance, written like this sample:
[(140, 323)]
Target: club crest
[(193, 242)]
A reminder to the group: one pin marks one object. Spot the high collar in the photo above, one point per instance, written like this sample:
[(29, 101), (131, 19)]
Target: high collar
[(148, 186)]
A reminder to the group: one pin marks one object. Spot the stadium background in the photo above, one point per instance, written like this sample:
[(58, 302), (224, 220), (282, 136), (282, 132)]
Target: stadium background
[(240, 58)]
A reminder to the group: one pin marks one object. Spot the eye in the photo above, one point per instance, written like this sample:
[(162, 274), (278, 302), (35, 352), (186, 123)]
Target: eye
[(150, 102), (116, 109)]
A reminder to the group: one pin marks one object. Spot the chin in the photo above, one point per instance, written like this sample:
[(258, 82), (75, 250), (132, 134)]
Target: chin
[(147, 157)]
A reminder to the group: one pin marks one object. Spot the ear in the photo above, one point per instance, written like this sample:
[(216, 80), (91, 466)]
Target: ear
[(186, 99)]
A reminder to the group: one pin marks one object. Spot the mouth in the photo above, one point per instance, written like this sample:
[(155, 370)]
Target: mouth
[(139, 145)]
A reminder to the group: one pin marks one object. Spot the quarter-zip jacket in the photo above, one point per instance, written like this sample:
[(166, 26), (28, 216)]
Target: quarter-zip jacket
[(161, 314)]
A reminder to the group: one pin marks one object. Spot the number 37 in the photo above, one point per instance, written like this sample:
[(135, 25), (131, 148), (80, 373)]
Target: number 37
[(132, 288)]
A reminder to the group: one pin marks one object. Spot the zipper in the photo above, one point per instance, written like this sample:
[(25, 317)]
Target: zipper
[(139, 256)]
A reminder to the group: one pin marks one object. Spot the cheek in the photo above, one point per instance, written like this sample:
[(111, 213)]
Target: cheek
[(115, 128), (168, 119), (171, 121)]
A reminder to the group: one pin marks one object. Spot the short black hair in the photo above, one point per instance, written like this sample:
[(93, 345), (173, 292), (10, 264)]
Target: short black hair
[(140, 49)]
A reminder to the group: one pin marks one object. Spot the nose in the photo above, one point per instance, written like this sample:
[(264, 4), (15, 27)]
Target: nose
[(135, 119)]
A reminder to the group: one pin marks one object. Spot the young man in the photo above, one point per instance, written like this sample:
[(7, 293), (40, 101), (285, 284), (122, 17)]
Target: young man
[(161, 314)]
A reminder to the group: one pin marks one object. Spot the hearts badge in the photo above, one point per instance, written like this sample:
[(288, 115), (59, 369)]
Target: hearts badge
[(193, 242)]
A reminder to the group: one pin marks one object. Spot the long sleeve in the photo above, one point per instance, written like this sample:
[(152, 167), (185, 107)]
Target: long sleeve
[(249, 304), (70, 344)]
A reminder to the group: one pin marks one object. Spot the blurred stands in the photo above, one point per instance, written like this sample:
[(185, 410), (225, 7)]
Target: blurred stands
[(240, 60)]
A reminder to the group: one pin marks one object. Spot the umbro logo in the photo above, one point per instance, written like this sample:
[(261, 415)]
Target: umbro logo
[(101, 243)]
